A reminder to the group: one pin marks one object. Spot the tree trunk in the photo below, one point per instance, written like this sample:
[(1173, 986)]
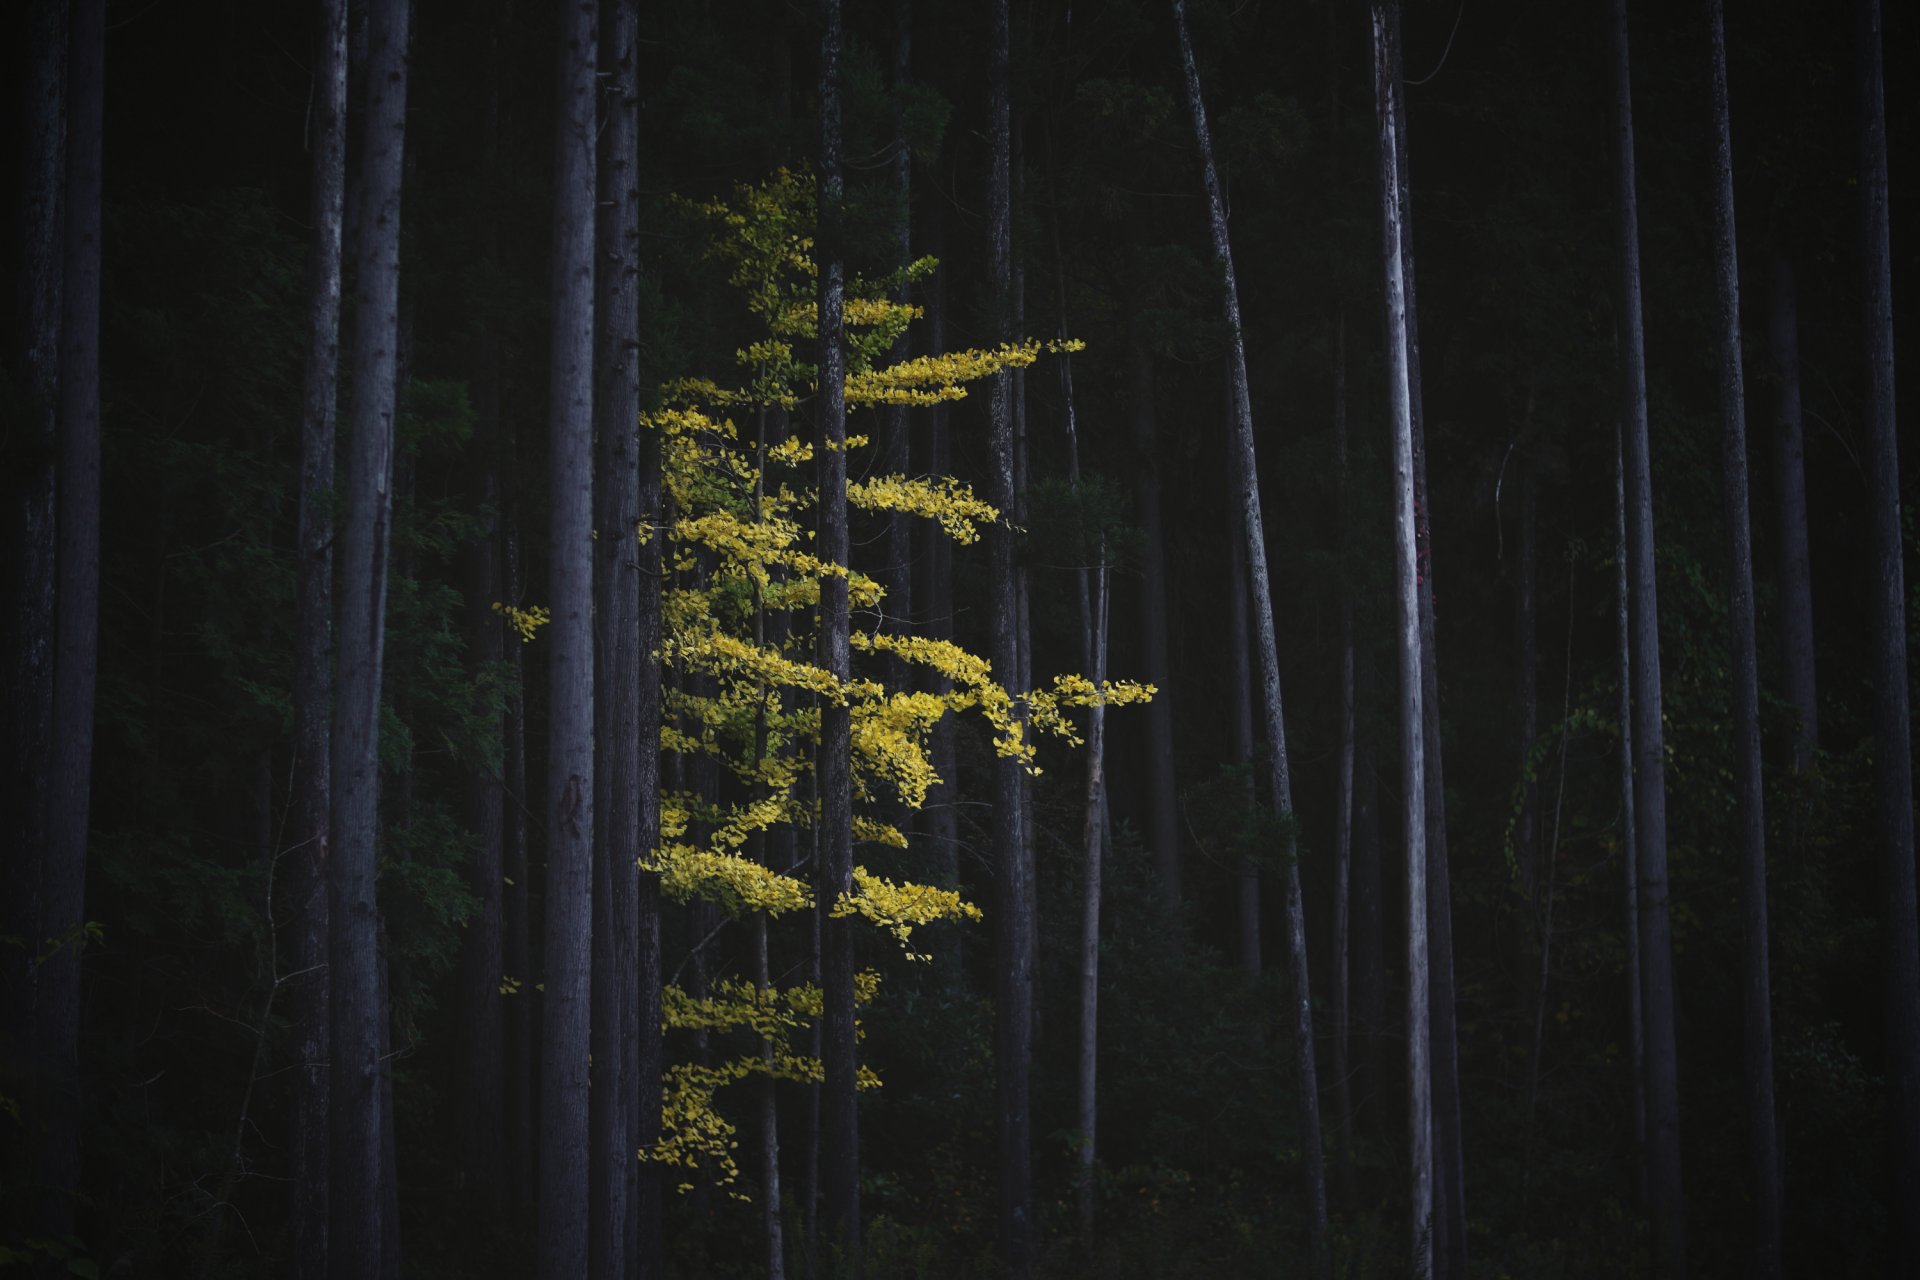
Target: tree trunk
[(1163, 813), (313, 651), (565, 1031), (618, 656), (839, 1119), (1281, 777), (644, 1241), (1013, 986), (522, 1152), (1756, 994), (1343, 816), (1412, 721), (1650, 789), (357, 1199), (1790, 509), (897, 578), (1629, 834), (1241, 699), (1087, 1153), (1893, 748), (940, 815)]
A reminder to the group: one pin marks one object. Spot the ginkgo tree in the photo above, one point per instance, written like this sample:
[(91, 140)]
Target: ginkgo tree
[(736, 506)]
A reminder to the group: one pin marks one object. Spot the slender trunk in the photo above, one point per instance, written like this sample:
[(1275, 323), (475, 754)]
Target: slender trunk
[(1369, 947), (357, 1200), (1013, 986), (1650, 789), (1163, 814), (897, 578), (313, 651), (1343, 816), (565, 1033), (618, 656), (1629, 831), (1088, 1153), (1241, 699), (1790, 510), (1281, 778), (1412, 727), (1893, 749), (644, 1242), (1756, 994), (839, 1120), (940, 816), (1070, 421)]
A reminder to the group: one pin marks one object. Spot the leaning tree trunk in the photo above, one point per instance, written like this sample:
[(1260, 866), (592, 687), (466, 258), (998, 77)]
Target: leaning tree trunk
[(1790, 510), (357, 1198), (839, 1113), (566, 1025), (1407, 595), (612, 1185), (1254, 532), (1756, 997), (1893, 748), (1664, 1188), (313, 651)]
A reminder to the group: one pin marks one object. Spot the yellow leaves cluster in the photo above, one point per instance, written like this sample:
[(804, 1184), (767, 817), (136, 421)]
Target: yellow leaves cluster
[(939, 498), (524, 621), (898, 908)]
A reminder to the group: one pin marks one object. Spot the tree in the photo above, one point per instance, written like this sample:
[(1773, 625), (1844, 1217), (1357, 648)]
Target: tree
[(566, 1028), (1664, 1190), (357, 1194), (1887, 604), (1281, 780), (313, 655)]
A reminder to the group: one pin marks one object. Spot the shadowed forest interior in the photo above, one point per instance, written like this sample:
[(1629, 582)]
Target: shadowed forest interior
[(653, 638)]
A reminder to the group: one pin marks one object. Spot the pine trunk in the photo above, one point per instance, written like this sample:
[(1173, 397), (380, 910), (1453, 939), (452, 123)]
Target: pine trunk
[(1254, 533)]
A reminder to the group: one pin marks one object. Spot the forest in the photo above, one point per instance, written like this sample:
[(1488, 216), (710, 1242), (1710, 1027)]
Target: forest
[(814, 638)]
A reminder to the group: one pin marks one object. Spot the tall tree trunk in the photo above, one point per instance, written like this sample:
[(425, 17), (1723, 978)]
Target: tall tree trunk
[(1088, 1152), (1790, 511), (839, 1119), (1281, 778), (1629, 830), (357, 1200), (1893, 748), (1407, 579), (1756, 992), (618, 656), (313, 651), (1163, 813), (1343, 815), (645, 1245), (28, 558), (522, 1152), (1013, 985), (566, 1025), (76, 616), (897, 577), (1664, 1188), (1241, 699)]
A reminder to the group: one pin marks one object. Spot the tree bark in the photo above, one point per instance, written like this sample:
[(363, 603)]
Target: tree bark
[(897, 578), (1790, 509), (1281, 777), (1629, 832), (357, 1199), (617, 848), (313, 651), (1241, 699), (1664, 1187), (1343, 816), (839, 1119), (645, 1245), (1756, 993), (1013, 986), (1087, 1154), (1893, 748), (1387, 90), (565, 1031)]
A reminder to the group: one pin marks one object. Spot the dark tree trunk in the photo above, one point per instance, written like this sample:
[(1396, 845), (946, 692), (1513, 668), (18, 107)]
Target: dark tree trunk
[(839, 1114), (1087, 1154), (618, 656), (1240, 696), (29, 456), (1343, 815), (897, 577), (1790, 511), (1629, 831), (1254, 532), (565, 1032), (645, 1246), (1664, 1189), (357, 1199), (1756, 992), (1013, 984), (1893, 748), (516, 946), (1387, 89), (1163, 814), (313, 653)]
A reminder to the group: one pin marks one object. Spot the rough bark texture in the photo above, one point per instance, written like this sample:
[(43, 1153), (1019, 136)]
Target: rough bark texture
[(1664, 1192), (566, 1003), (617, 849), (1750, 847), (1281, 780), (358, 1200), (839, 1114), (1892, 731), (1407, 624), (1795, 569), (308, 841)]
